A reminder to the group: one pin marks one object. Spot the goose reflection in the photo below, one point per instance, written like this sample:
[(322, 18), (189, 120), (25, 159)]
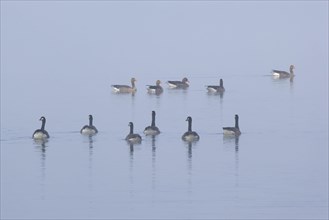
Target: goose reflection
[(189, 168), (131, 170), (291, 80), (91, 148), (153, 163), (232, 142), (42, 148)]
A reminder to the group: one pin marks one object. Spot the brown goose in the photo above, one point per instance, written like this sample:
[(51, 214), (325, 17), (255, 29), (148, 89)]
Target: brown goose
[(284, 74), (125, 88), (157, 89), (179, 84)]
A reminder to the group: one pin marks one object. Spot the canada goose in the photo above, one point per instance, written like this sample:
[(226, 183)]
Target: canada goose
[(89, 129), (131, 137), (41, 134), (152, 130), (216, 89), (233, 130), (190, 135), (284, 74), (179, 84), (157, 89), (125, 88)]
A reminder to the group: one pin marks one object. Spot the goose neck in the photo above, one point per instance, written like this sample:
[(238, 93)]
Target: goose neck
[(153, 120), (131, 129), (189, 125)]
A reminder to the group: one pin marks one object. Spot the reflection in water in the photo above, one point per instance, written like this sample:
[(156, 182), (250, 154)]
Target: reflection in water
[(189, 171), (220, 94), (177, 91), (131, 167), (91, 148), (42, 147), (153, 163), (291, 82), (228, 141), (277, 79), (90, 172)]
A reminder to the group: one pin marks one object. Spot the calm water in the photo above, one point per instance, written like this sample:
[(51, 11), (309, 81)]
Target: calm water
[(277, 168)]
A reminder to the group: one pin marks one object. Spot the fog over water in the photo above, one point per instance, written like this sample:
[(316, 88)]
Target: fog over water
[(59, 60)]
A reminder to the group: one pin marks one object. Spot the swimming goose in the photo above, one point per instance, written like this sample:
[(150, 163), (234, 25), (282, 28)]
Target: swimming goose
[(216, 89), (125, 88), (190, 135), (41, 134), (157, 89), (131, 137), (233, 130), (284, 74), (152, 130), (89, 129), (179, 84)]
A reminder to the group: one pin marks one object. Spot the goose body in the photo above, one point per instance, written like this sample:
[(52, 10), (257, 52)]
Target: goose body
[(131, 137), (125, 88), (190, 135), (179, 84), (89, 129), (284, 74), (41, 134), (216, 88), (157, 89), (233, 130), (152, 129)]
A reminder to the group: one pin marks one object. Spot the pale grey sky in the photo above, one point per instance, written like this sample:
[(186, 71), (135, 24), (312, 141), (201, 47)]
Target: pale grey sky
[(160, 37)]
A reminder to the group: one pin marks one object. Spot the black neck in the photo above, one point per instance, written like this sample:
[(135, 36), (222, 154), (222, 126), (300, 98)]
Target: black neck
[(153, 119), (236, 122), (189, 125), (131, 128), (221, 83), (43, 124), (90, 121)]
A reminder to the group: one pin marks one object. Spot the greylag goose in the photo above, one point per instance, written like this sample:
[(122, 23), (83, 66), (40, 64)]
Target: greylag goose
[(284, 74), (179, 84), (125, 88), (157, 89)]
